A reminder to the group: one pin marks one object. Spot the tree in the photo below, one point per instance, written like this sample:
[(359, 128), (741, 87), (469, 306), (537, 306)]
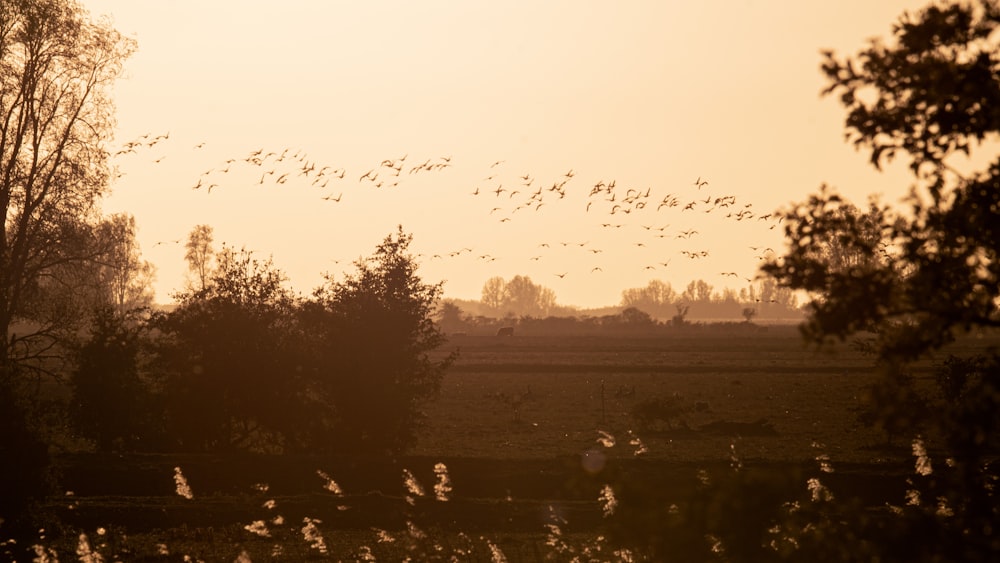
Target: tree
[(199, 255), (373, 334), (56, 68), (921, 276), (655, 298), (125, 278), (111, 403), (451, 319), (698, 291), (229, 357), (519, 297), (526, 298), (493, 293)]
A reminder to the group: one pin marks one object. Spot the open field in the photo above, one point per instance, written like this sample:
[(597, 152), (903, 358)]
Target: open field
[(526, 428)]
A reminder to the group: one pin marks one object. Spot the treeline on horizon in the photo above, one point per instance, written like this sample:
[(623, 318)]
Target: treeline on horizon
[(657, 306)]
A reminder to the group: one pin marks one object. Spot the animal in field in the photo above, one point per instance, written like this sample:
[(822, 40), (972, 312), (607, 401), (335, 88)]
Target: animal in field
[(505, 331)]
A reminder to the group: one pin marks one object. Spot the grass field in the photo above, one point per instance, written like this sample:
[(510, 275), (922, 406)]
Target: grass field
[(528, 431)]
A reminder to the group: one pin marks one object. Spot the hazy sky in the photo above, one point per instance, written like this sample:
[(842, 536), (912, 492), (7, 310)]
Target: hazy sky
[(647, 95)]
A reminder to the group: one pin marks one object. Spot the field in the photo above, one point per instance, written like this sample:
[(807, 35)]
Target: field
[(527, 431)]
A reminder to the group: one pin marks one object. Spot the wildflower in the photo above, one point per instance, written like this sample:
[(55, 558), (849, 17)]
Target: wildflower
[(608, 500), (443, 486), (415, 532), (605, 439), (923, 463), (412, 485), (640, 447), (312, 534), (735, 461), (330, 485), (182, 485), (496, 555), (624, 555), (45, 554), (87, 555), (259, 528), (822, 458), (819, 492)]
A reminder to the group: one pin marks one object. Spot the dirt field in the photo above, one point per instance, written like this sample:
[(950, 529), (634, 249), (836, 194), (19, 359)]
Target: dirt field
[(523, 426)]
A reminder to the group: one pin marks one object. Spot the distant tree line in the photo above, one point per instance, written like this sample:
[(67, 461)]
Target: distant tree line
[(701, 300), (630, 321), (521, 301)]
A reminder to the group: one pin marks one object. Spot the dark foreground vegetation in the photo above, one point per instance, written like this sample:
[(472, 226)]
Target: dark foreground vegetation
[(195, 432), (541, 447)]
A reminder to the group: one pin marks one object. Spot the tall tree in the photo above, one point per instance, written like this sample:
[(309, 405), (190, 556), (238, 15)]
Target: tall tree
[(925, 274), (227, 356), (126, 279), (655, 298), (524, 297), (493, 293), (56, 69), (375, 340), (199, 255)]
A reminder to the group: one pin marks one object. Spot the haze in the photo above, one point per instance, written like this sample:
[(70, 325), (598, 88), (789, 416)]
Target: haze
[(652, 96)]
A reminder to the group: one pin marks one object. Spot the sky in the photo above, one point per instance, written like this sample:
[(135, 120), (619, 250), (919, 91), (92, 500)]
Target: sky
[(591, 146)]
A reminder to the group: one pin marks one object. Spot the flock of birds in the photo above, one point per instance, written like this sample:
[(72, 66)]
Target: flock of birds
[(504, 196)]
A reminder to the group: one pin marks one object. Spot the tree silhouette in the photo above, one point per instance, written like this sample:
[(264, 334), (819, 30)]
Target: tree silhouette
[(493, 294), (373, 334), (125, 278), (924, 275), (518, 296), (228, 357), (111, 404), (57, 68), (199, 254), (656, 298), (451, 319)]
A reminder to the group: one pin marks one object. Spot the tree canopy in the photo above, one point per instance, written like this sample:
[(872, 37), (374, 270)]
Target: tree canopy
[(909, 280), (55, 118)]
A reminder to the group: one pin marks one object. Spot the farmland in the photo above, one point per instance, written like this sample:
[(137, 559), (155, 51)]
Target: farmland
[(528, 430)]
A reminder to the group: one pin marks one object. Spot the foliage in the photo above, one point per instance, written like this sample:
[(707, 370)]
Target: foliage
[(125, 279), (660, 300), (25, 479), (111, 403), (228, 355), (451, 319), (56, 67), (656, 296), (920, 276), (199, 255), (373, 334), (518, 296)]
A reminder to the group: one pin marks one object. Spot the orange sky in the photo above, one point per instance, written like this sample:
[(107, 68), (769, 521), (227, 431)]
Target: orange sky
[(649, 95)]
